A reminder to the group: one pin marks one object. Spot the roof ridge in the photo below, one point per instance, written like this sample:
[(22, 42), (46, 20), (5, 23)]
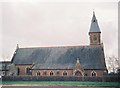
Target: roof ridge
[(54, 46)]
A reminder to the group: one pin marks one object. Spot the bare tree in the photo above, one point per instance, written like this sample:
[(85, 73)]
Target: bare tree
[(112, 63)]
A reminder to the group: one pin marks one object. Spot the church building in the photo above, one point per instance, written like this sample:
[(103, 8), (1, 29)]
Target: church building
[(76, 61)]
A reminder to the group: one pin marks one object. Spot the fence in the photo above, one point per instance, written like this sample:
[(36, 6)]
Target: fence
[(60, 78)]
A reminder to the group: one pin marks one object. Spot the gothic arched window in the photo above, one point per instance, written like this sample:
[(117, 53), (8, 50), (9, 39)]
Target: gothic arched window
[(18, 71), (51, 73), (93, 74), (27, 71), (78, 73), (38, 73), (64, 73)]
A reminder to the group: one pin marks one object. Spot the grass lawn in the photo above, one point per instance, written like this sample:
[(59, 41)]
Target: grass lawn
[(64, 83)]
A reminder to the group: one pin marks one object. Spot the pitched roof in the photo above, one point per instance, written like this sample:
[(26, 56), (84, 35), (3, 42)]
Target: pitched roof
[(94, 25), (91, 57)]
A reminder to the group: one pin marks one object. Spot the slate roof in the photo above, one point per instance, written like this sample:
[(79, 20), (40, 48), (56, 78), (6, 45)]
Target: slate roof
[(94, 25), (64, 57)]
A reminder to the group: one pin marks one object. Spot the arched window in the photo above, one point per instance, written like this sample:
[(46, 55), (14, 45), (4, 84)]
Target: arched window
[(38, 73), (51, 73), (18, 71), (78, 73), (93, 74), (64, 73), (27, 71)]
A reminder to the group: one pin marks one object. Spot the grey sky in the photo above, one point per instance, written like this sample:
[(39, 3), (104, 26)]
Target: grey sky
[(36, 24)]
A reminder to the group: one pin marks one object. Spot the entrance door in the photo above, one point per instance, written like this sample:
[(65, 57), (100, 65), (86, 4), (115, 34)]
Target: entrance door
[(78, 73)]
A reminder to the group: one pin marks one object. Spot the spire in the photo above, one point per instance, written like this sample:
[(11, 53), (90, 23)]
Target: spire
[(94, 25), (94, 17), (17, 46)]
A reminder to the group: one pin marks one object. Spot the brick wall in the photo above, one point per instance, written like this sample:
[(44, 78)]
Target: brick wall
[(92, 38), (99, 73), (22, 69), (69, 72)]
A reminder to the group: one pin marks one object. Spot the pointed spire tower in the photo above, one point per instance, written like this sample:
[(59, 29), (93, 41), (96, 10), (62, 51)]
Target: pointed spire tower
[(94, 31)]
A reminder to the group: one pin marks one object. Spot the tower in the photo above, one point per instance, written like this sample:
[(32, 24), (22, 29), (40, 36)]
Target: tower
[(94, 32)]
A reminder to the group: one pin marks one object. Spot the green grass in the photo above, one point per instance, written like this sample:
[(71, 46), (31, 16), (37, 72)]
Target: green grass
[(64, 83)]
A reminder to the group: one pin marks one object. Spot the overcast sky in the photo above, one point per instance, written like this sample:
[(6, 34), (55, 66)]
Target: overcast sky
[(37, 24)]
